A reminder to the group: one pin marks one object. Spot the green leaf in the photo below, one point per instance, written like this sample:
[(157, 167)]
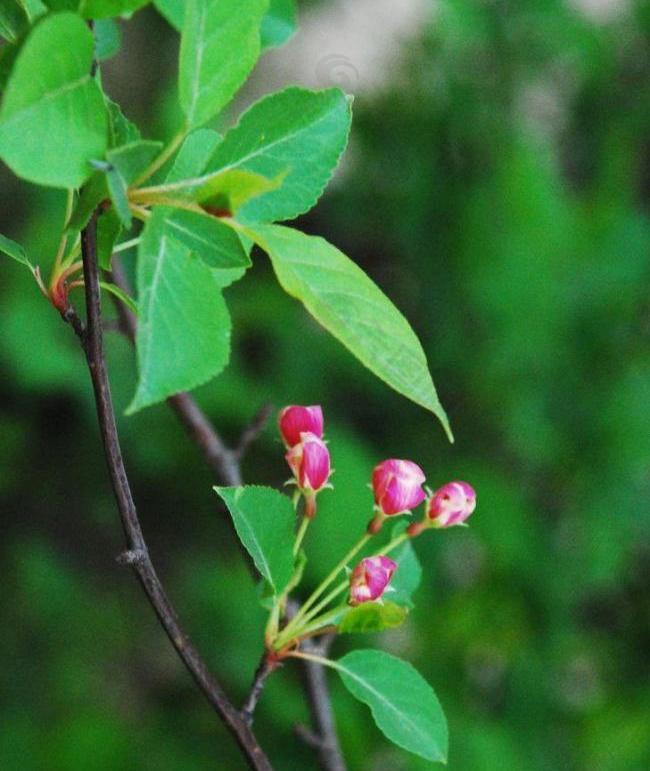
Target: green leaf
[(121, 131), (8, 54), (173, 11), (52, 125), (373, 617), (297, 133), (13, 20), (402, 703), (190, 162), (183, 337), (15, 250), (220, 44), (117, 192), (279, 24), (108, 39), (34, 8), (408, 575), (227, 276), (131, 159), (231, 189), (126, 163), (97, 9), (92, 194), (207, 237), (109, 228), (264, 520), (193, 154), (342, 298)]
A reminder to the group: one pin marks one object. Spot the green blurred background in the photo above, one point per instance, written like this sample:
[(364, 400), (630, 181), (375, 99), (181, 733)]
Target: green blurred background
[(497, 187)]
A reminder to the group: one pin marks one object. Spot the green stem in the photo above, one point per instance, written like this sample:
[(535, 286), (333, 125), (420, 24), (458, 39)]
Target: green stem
[(313, 657), (326, 601), (325, 620), (328, 580), (294, 628), (300, 534), (161, 160)]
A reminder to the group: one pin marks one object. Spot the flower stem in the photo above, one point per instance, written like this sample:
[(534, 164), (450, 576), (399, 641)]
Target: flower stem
[(300, 535), (328, 580), (297, 626), (313, 657)]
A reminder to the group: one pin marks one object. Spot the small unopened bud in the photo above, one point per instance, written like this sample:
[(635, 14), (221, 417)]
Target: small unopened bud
[(397, 486), (451, 505), (295, 420), (368, 581), (309, 460)]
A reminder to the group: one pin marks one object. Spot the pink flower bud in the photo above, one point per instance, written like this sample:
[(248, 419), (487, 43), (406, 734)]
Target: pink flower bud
[(451, 504), (397, 485), (295, 420), (368, 581), (310, 462)]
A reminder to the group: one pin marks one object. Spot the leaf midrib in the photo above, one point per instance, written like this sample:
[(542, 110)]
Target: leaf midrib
[(415, 729)]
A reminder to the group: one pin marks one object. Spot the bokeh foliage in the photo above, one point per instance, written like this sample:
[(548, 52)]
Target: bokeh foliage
[(501, 200)]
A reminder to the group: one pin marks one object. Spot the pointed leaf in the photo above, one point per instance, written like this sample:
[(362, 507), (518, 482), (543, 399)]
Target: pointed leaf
[(220, 44), (264, 520), (14, 250), (297, 133), (227, 276), (121, 131), (232, 188), (279, 24), (194, 154), (402, 703), (92, 194), (52, 125), (125, 163), (351, 307), (373, 617), (207, 237), (183, 337), (108, 39), (109, 228), (173, 11), (132, 158)]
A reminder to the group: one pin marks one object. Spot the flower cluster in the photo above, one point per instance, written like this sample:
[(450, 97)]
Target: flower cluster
[(397, 485)]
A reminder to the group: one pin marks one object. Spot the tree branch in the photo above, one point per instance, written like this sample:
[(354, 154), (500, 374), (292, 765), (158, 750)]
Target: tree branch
[(225, 462), (138, 554), (324, 739), (266, 666)]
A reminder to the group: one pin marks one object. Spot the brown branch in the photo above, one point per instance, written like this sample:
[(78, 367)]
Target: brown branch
[(138, 553), (266, 666), (225, 462), (324, 739)]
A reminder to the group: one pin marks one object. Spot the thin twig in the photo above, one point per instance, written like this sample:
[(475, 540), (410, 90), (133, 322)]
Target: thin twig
[(266, 666), (138, 553), (320, 704)]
